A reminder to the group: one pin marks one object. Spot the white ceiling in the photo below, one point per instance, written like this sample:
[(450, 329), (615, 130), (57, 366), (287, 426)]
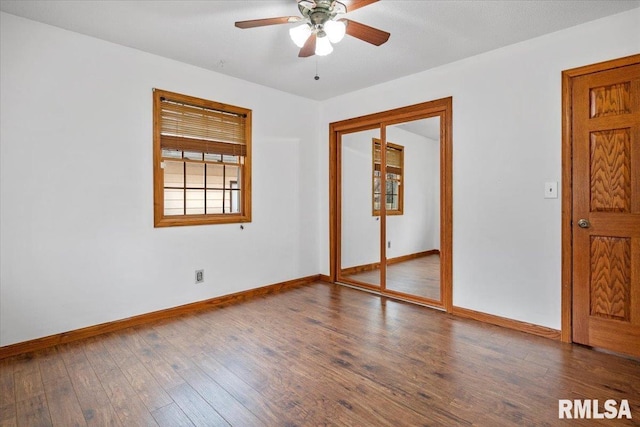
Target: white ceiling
[(424, 34)]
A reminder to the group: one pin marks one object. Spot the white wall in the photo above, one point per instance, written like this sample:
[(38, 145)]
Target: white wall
[(506, 144), (360, 229), (77, 238), (418, 229), (77, 241)]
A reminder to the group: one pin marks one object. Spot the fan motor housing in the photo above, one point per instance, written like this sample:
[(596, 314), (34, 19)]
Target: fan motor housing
[(319, 17), (321, 12)]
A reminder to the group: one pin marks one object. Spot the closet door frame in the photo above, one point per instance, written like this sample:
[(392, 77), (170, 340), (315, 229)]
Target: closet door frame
[(442, 108)]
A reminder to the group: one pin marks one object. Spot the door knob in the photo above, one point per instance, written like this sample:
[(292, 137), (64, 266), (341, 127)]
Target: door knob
[(583, 223)]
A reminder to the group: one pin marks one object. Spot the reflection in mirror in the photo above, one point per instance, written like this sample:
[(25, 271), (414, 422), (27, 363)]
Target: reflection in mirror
[(413, 236), (360, 230), (393, 194)]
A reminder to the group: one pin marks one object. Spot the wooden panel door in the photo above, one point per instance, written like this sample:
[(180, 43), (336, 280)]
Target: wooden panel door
[(606, 209)]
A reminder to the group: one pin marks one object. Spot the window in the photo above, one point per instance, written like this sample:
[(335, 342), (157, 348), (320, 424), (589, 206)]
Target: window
[(394, 170), (202, 161)]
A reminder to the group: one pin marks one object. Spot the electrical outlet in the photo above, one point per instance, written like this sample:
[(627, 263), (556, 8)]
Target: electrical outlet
[(199, 276), (389, 244)]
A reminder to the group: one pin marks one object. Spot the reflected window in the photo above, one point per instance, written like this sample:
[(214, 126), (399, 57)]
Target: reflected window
[(394, 195)]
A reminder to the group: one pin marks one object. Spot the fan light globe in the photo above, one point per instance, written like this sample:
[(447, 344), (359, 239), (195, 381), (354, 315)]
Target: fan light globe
[(335, 30), (300, 34), (323, 46)]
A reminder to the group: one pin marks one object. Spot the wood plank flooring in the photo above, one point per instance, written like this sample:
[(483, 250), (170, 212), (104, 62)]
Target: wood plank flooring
[(419, 277), (314, 355)]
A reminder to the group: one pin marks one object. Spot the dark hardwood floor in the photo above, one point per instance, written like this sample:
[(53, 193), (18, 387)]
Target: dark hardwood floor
[(314, 355), (419, 277)]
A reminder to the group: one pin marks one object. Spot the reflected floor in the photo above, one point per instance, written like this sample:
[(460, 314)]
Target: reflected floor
[(419, 277)]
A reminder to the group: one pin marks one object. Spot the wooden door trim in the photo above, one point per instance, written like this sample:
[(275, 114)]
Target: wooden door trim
[(444, 109), (568, 77)]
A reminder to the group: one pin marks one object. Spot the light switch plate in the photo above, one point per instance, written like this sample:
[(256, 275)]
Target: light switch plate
[(550, 190)]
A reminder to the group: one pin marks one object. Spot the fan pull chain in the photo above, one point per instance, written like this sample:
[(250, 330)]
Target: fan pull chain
[(317, 77)]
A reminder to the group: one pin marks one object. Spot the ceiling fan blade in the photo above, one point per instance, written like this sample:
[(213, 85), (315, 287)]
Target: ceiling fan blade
[(309, 48), (366, 33), (267, 21), (356, 4)]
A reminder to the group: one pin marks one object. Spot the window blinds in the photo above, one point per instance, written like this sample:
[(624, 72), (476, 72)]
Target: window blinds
[(185, 127), (394, 159)]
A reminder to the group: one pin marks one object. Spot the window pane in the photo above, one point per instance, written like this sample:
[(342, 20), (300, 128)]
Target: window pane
[(232, 174), (230, 159), (392, 195), (227, 201), (238, 183), (192, 155), (214, 176), (392, 202), (195, 202), (173, 202), (195, 175), (391, 188), (235, 200), (214, 201), (173, 174), (172, 153), (213, 157), (376, 202)]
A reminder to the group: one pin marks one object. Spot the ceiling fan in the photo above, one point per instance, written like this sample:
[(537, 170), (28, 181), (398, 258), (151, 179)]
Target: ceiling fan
[(322, 25)]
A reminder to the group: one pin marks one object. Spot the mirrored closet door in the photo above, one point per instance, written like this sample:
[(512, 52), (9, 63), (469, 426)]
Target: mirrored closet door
[(360, 236), (391, 203), (413, 209)]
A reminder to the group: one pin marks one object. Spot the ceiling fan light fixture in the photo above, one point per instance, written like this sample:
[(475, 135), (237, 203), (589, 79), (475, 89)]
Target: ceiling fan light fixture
[(323, 45), (300, 34), (322, 25), (335, 30)]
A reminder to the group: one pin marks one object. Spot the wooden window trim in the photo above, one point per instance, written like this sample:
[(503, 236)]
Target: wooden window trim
[(162, 220), (400, 148)]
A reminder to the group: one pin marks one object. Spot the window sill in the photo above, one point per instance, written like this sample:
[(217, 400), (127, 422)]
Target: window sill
[(177, 221)]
